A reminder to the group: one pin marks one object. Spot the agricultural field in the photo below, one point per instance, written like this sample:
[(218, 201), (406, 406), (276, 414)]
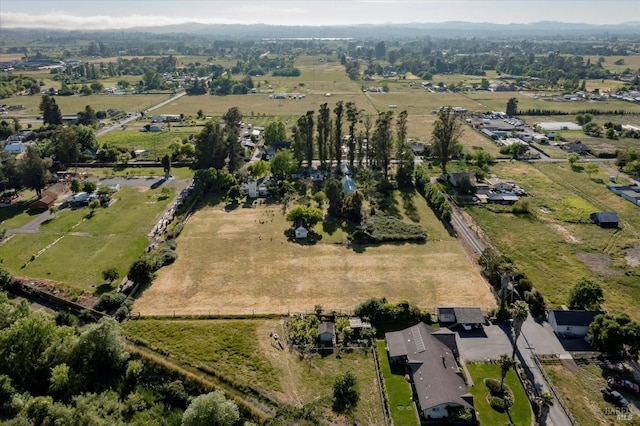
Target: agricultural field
[(556, 243), (75, 103), (74, 247), (242, 353), (579, 387), (239, 261)]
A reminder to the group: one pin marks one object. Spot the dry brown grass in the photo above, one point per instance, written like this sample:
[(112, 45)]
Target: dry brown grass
[(240, 262)]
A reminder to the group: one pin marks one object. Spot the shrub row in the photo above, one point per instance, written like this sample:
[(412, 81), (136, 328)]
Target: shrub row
[(381, 228)]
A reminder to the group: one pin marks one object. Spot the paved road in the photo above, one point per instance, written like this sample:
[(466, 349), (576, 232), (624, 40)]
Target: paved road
[(133, 116)]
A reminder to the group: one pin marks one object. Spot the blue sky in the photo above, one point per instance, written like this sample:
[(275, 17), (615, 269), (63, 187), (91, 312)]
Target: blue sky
[(107, 14)]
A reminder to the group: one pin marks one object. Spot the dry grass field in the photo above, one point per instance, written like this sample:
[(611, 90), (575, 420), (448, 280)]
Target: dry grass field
[(240, 262)]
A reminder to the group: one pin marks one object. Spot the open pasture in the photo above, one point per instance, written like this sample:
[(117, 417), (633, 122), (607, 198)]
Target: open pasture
[(549, 244), (239, 261)]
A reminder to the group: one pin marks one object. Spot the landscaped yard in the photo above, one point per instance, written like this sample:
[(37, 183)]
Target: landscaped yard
[(397, 389), (239, 261), (242, 353), (518, 414)]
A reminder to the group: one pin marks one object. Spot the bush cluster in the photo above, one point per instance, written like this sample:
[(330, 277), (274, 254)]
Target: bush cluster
[(380, 228), (434, 196)]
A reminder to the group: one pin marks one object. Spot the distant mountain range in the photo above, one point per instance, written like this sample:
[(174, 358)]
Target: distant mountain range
[(450, 29)]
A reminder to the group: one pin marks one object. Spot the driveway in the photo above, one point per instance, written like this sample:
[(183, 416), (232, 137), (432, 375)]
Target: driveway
[(536, 338), (480, 345)]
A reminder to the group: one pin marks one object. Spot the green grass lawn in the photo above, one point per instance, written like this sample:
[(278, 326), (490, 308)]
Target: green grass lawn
[(18, 213), (519, 414), (397, 389), (114, 237)]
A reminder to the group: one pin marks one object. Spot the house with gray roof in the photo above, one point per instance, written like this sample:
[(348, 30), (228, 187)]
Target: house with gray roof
[(327, 333), (429, 357), (464, 315), (574, 323)]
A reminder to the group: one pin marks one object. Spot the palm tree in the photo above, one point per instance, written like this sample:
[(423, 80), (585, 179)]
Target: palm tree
[(545, 401), (519, 313), (506, 362)]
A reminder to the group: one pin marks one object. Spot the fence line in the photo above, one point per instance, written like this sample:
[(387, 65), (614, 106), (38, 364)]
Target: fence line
[(385, 406), (553, 390)]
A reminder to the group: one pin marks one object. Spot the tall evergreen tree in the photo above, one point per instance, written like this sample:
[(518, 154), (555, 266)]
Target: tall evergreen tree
[(512, 107), (324, 125), (353, 115), (210, 150), (337, 134), (444, 137), (382, 140), (50, 111)]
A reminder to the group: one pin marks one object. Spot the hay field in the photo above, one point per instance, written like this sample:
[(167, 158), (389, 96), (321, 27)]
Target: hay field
[(240, 262)]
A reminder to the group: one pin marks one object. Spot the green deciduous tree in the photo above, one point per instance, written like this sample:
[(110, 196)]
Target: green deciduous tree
[(211, 409), (345, 393), (573, 158), (310, 215), (275, 131), (585, 294), (259, 169), (99, 354), (444, 137), (282, 164), (615, 334), (34, 170), (110, 275)]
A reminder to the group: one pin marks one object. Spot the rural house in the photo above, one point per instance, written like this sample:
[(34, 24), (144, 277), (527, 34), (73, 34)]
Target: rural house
[(571, 323), (49, 197), (327, 333), (435, 378)]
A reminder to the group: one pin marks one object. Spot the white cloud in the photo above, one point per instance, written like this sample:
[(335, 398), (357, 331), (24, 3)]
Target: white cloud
[(65, 21)]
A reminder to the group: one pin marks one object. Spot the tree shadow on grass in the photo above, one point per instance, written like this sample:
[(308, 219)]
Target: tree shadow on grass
[(409, 206), (102, 289)]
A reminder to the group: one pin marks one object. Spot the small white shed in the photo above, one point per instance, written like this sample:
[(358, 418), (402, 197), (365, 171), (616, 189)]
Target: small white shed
[(301, 232)]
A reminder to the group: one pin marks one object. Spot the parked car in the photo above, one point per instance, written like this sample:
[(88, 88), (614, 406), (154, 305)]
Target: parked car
[(623, 384), (614, 397)]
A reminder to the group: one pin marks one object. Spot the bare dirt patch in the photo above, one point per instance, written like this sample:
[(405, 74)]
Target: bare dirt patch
[(598, 263), (240, 262), (632, 256), (565, 233)]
